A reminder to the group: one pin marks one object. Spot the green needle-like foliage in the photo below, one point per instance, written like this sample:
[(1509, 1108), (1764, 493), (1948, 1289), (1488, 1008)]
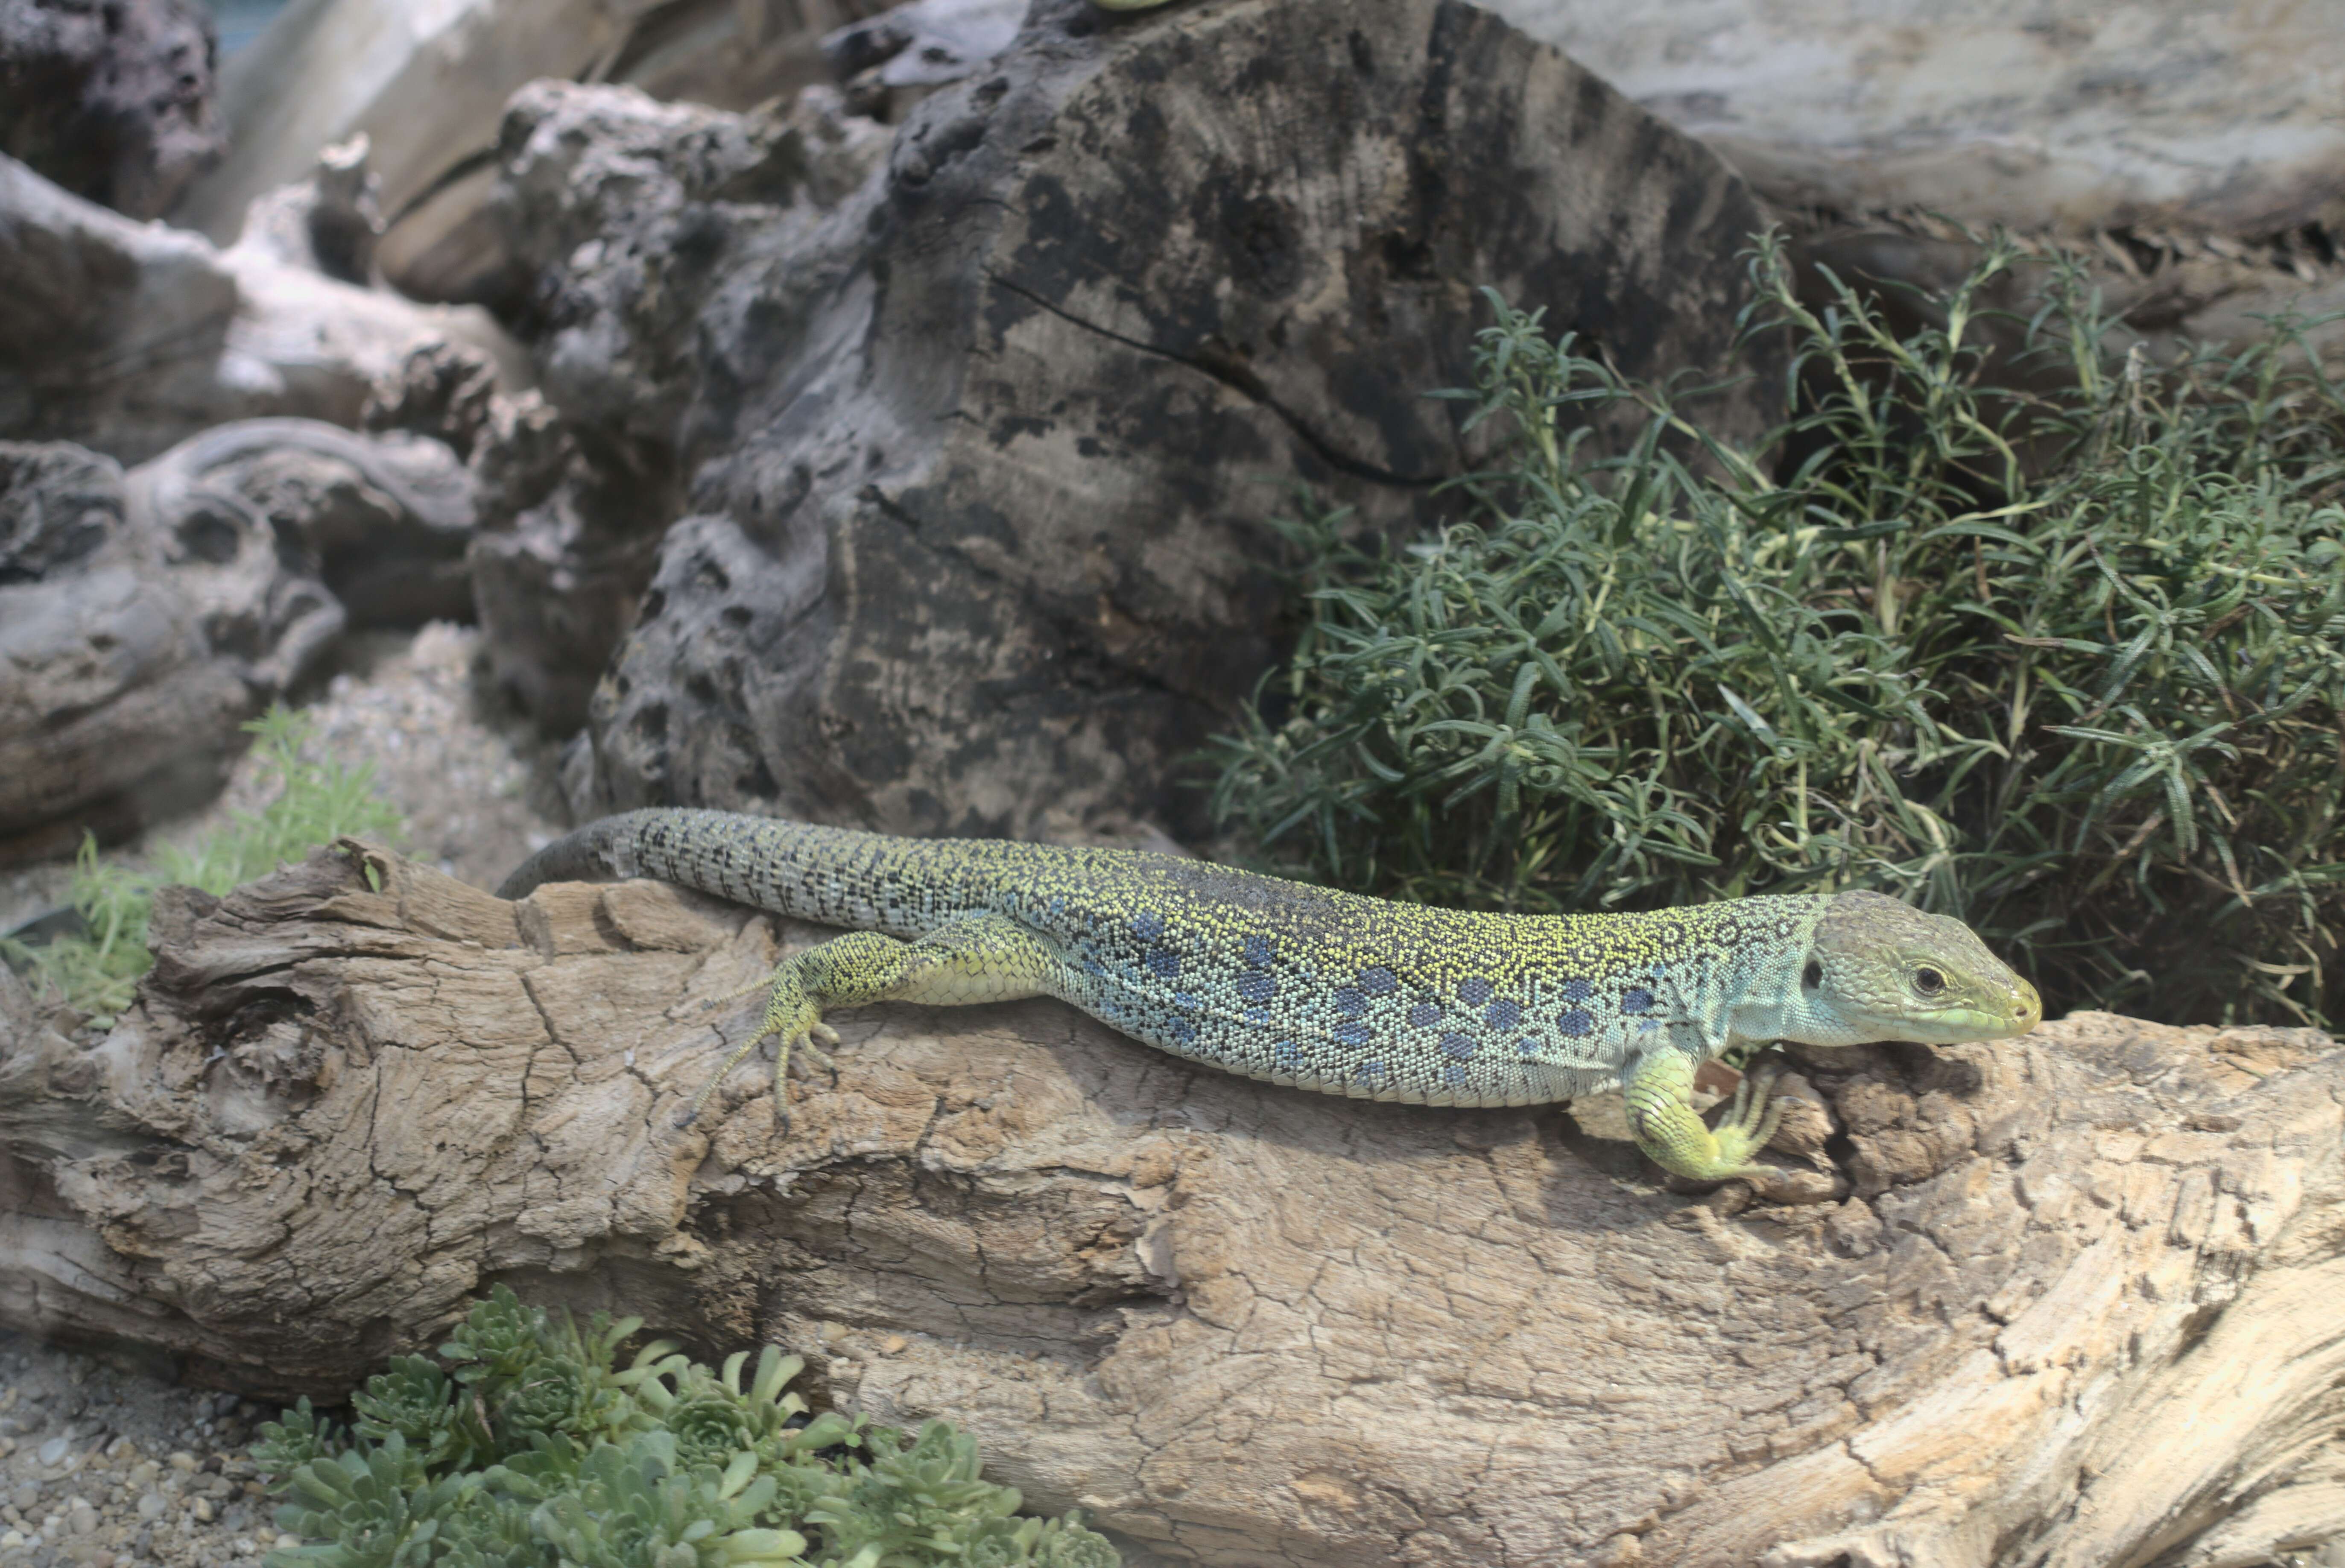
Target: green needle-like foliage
[(315, 802), (2069, 667), (532, 1448)]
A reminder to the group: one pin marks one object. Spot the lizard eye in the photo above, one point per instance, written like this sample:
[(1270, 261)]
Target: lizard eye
[(1813, 975), (1928, 981)]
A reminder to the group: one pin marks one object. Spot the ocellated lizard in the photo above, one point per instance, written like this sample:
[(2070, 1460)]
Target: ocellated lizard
[(1322, 989)]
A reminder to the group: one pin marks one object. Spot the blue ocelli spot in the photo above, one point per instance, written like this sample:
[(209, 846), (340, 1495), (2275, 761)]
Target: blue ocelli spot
[(1184, 999), (1454, 1075), (1424, 1016), (1287, 1054), (1473, 991), (1378, 981), (1257, 951), (1573, 1023), (1503, 1013), (1350, 1001), (1458, 1045), (1528, 1045), (1257, 1017), (1353, 1033), (1577, 989), (1148, 927), (1372, 1070), (1165, 961), (1182, 1031), (1257, 985), (1635, 999)]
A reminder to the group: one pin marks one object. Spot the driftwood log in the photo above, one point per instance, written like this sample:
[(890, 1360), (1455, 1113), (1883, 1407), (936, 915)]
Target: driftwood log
[(2076, 1305)]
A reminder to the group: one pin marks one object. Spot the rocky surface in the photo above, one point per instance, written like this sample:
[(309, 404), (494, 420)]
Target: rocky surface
[(144, 616), (2064, 114), (110, 1467), (609, 194), (2171, 295), (113, 100), (1238, 1323), (971, 473), (895, 60), (467, 774), (127, 338), (128, 652), (427, 85)]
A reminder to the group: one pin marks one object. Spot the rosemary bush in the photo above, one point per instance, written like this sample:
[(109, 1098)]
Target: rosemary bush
[(314, 803), (2092, 702), (530, 1448)]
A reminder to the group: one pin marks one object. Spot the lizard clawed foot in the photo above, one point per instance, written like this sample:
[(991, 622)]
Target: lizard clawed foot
[(791, 1014), (1751, 1122)]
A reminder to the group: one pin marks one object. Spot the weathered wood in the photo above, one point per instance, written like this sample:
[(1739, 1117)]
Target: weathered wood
[(2078, 1307), (979, 457)]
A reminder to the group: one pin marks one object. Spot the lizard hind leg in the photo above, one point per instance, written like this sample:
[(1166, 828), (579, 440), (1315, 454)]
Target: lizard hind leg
[(975, 958)]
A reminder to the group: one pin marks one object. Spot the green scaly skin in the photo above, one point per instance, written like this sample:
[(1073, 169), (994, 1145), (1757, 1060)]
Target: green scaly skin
[(1322, 989)]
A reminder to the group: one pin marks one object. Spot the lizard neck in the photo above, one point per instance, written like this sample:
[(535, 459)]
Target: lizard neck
[(1767, 1001)]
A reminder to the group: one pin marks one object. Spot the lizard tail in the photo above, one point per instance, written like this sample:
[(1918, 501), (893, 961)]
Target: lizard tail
[(591, 854), (836, 876)]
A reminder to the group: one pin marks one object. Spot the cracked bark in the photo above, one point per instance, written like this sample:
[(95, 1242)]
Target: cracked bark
[(2077, 1306), (1108, 302)]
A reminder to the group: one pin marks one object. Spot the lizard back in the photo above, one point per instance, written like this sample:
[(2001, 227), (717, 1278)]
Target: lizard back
[(1276, 980)]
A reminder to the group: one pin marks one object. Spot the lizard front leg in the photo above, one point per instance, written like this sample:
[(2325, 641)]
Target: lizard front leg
[(1671, 1133), (976, 958)]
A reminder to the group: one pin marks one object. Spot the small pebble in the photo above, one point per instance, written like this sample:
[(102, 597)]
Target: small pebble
[(151, 1506), (11, 1540), (81, 1518), (286, 1542), (53, 1450), (183, 1461), (202, 1510)]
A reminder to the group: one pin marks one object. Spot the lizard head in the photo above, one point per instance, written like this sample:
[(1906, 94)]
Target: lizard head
[(1881, 970)]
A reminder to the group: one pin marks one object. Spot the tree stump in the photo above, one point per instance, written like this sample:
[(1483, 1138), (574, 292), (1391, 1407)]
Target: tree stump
[(2078, 1305)]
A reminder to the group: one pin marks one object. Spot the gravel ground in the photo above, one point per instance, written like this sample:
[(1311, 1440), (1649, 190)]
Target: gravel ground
[(109, 1466)]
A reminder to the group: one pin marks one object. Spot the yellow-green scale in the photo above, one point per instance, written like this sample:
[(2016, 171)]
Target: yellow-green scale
[(1275, 980)]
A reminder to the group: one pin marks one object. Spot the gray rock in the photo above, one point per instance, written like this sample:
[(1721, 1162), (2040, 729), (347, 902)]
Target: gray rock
[(976, 467), (384, 520), (110, 694), (629, 209), (112, 101), (889, 62), (144, 616), (2063, 113), (127, 338)]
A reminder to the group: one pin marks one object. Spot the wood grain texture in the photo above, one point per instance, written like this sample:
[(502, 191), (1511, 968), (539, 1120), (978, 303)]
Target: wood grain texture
[(2078, 1307)]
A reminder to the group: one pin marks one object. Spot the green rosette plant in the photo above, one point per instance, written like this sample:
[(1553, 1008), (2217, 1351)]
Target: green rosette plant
[(528, 1445)]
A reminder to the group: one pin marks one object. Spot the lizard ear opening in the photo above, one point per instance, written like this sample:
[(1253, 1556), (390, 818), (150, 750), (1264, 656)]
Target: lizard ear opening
[(1813, 977)]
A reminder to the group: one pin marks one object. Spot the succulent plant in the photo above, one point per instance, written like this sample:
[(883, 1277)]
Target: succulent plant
[(532, 1450)]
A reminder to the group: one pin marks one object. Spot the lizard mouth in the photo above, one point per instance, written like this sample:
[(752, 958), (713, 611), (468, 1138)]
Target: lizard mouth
[(2022, 1010)]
